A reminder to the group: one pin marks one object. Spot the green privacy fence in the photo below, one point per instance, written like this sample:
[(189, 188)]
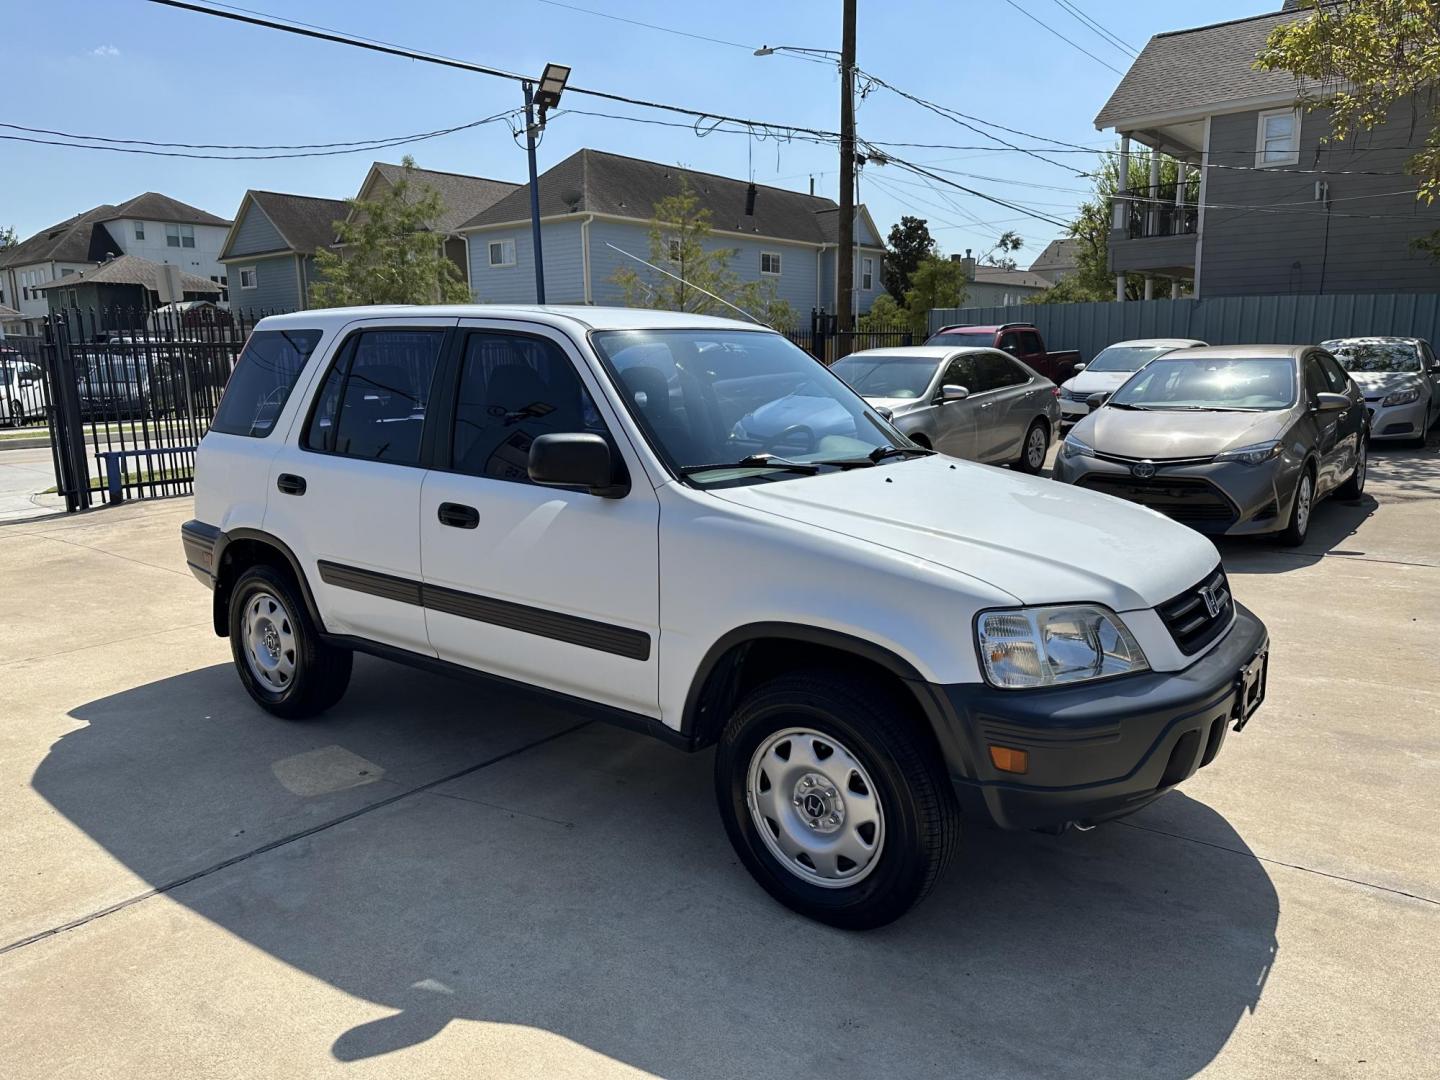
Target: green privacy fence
[(1222, 320)]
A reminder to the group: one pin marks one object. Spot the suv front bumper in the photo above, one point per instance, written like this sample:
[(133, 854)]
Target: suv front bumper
[(1104, 749)]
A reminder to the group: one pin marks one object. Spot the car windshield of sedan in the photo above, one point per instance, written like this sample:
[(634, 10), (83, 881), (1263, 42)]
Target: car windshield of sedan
[(1376, 355), (1230, 385), (1127, 357), (735, 406), (905, 377)]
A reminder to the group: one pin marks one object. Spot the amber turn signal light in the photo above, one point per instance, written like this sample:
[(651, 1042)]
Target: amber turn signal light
[(1007, 760)]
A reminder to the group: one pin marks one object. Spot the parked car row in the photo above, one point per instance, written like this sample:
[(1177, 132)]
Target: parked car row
[(22, 389), (1230, 440)]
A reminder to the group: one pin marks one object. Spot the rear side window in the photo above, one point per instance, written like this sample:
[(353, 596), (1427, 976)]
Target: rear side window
[(373, 402), (261, 383)]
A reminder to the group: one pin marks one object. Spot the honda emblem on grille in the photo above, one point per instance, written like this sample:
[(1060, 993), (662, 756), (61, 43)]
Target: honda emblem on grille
[(1213, 603), (1142, 470)]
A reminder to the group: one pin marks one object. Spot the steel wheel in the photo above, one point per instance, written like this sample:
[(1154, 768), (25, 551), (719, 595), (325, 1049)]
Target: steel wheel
[(1304, 498), (269, 639), (1035, 446), (1360, 468), (815, 808)]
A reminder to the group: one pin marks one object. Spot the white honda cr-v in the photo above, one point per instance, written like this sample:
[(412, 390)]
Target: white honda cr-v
[(879, 641)]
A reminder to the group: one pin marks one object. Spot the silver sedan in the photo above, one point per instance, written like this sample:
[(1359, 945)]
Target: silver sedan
[(980, 404)]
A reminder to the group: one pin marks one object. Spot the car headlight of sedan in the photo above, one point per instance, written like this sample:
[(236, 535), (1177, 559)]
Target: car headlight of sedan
[(1051, 646), (1256, 454), (1073, 448), (1402, 397)]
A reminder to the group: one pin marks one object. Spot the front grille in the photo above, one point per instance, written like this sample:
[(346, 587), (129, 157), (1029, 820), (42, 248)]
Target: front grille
[(1186, 499), (1188, 616), (1071, 395)]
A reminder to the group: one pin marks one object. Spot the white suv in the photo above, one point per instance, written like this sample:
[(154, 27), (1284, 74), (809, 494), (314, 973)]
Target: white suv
[(880, 641)]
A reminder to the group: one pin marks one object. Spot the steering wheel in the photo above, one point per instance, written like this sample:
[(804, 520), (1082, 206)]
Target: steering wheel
[(795, 433)]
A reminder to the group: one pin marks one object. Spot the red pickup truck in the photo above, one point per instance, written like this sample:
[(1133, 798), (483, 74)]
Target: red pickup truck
[(1020, 340)]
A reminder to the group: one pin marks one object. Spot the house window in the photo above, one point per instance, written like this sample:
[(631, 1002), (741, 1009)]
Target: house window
[(180, 236), (770, 263), (247, 277), (675, 247), (867, 274), (502, 252), (1278, 139), (139, 230)]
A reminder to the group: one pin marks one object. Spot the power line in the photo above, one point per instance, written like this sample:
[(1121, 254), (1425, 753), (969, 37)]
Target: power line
[(1086, 21), (254, 146), (1073, 44), (920, 171)]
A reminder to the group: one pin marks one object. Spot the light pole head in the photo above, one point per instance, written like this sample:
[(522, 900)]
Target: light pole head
[(552, 85), (765, 50)]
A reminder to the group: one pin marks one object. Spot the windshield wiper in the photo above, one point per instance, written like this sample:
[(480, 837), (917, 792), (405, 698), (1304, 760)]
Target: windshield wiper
[(880, 453), (1127, 405), (756, 461)]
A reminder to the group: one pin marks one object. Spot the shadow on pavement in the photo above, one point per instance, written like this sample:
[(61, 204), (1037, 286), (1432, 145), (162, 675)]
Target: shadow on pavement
[(1332, 526), (584, 887)]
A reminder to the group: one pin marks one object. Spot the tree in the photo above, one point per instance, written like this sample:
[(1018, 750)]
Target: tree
[(936, 283), (1360, 59), (1001, 254), (391, 252), (1093, 280), (8, 237), (678, 234), (910, 244), (884, 314)]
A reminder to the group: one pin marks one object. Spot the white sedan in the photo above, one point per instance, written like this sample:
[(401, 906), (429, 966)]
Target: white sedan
[(1109, 370)]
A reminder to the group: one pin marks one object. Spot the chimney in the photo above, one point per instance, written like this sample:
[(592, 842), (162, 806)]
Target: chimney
[(812, 184), (967, 264)]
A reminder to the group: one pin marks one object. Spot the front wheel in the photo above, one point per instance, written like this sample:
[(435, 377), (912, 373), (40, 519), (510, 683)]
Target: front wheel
[(1034, 449), (278, 653), (1295, 532), (836, 805)]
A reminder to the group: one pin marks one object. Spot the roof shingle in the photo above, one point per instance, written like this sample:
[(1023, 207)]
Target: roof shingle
[(461, 196), (132, 270), (305, 222), (1188, 70)]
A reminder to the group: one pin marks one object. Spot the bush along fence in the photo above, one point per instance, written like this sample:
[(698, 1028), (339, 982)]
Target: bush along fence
[(1221, 320), (823, 340), (126, 395)]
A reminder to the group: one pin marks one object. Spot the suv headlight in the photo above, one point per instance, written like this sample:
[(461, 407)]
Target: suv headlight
[(1073, 447), (1051, 646), (1402, 397), (1257, 454)]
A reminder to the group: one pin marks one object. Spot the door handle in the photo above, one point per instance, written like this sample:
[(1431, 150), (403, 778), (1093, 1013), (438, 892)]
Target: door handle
[(290, 484), (458, 515)]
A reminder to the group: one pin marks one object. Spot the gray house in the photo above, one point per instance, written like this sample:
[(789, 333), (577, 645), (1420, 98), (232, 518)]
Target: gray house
[(595, 207), (1266, 209), (269, 254)]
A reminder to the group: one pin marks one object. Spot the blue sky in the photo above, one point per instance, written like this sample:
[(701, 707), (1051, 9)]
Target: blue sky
[(131, 69)]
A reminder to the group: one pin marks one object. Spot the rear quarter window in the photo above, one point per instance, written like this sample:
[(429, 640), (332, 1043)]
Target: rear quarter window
[(261, 383)]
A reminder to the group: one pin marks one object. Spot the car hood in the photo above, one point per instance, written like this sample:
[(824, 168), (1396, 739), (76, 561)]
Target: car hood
[(1097, 382), (1176, 434), (1378, 383), (1040, 541)]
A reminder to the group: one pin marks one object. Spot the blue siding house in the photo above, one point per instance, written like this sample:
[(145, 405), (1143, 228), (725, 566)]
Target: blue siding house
[(595, 212), (269, 255)]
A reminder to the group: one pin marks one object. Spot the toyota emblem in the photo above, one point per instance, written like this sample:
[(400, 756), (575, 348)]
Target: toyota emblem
[(1142, 470)]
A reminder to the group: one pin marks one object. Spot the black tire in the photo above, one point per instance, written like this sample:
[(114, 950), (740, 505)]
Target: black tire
[(920, 815), (1294, 533), (1029, 461), (1353, 490), (319, 672), (17, 414)]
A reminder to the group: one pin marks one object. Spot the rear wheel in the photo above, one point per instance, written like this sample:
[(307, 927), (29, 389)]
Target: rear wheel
[(17, 414), (1294, 533), (834, 803), (1034, 448), (278, 653)]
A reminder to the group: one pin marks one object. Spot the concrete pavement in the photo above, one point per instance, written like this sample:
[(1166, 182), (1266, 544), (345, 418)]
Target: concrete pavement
[(430, 881), (23, 474)]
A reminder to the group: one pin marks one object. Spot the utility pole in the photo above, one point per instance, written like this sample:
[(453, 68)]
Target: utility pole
[(845, 250), (534, 194)]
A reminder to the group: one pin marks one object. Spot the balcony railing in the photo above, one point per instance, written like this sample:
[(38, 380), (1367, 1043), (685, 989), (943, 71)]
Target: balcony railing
[(1160, 217)]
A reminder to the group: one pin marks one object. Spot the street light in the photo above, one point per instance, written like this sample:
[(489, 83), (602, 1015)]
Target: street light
[(547, 97)]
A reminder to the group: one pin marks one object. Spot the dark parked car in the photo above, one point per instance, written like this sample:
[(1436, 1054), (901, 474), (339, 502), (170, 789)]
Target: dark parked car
[(1020, 340), (1233, 439)]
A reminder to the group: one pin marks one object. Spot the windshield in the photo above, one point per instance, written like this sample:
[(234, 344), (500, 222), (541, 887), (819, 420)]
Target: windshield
[(1127, 357), (718, 397), (956, 339), (1227, 384), (887, 376), (1376, 355)]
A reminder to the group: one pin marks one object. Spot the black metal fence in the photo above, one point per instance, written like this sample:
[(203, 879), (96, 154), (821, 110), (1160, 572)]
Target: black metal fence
[(824, 340), (125, 395)]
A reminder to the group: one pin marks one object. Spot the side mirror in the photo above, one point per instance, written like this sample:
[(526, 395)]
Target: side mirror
[(1079, 368), (885, 411), (1094, 401), (951, 392), (1327, 402), (576, 460)]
